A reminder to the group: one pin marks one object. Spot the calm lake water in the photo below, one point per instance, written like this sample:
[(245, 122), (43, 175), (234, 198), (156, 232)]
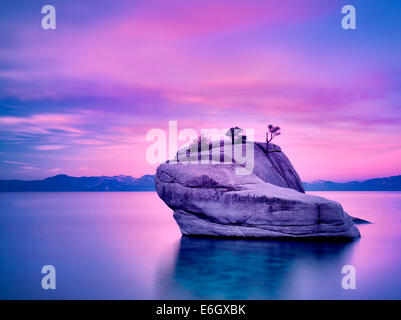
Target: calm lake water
[(128, 246)]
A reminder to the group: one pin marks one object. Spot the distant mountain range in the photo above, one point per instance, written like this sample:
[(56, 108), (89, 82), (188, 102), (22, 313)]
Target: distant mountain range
[(377, 184), (63, 182)]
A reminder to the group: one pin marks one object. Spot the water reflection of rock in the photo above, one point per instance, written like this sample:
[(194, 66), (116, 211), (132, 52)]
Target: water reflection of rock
[(247, 269)]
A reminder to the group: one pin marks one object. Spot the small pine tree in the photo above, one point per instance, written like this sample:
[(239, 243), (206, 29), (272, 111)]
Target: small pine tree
[(201, 143), (272, 132), (234, 134)]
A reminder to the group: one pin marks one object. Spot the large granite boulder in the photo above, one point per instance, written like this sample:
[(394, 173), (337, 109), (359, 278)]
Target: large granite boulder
[(269, 201)]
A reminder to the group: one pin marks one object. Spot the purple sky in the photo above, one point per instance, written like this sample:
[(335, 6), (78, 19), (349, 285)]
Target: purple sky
[(80, 99)]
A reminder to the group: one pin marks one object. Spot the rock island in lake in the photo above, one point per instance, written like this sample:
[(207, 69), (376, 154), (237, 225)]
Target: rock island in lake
[(269, 201)]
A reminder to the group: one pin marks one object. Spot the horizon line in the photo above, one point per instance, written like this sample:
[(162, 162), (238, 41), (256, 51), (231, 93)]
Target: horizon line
[(125, 175)]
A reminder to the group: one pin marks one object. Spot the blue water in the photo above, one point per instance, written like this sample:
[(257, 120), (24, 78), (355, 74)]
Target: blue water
[(127, 246)]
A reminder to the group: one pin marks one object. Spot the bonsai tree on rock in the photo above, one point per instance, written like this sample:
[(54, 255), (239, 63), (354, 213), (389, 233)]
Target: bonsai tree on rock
[(201, 143), (234, 134), (236, 137), (273, 131)]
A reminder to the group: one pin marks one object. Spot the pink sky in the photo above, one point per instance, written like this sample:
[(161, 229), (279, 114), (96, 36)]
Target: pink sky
[(80, 99)]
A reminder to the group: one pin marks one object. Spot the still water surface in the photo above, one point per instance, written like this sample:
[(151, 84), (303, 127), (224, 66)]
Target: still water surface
[(127, 246)]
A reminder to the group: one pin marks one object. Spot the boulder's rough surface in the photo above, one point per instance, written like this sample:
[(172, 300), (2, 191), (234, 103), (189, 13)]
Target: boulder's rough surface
[(212, 200)]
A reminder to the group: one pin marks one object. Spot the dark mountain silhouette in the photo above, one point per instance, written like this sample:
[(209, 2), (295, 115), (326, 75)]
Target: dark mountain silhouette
[(377, 184), (63, 182)]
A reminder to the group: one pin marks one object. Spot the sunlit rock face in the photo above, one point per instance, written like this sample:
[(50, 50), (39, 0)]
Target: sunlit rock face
[(269, 201)]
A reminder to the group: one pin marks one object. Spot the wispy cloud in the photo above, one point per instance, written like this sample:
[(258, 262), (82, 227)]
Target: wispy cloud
[(19, 163), (22, 167), (49, 147), (41, 123)]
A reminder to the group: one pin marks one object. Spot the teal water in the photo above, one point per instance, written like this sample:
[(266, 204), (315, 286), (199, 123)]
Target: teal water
[(127, 246)]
